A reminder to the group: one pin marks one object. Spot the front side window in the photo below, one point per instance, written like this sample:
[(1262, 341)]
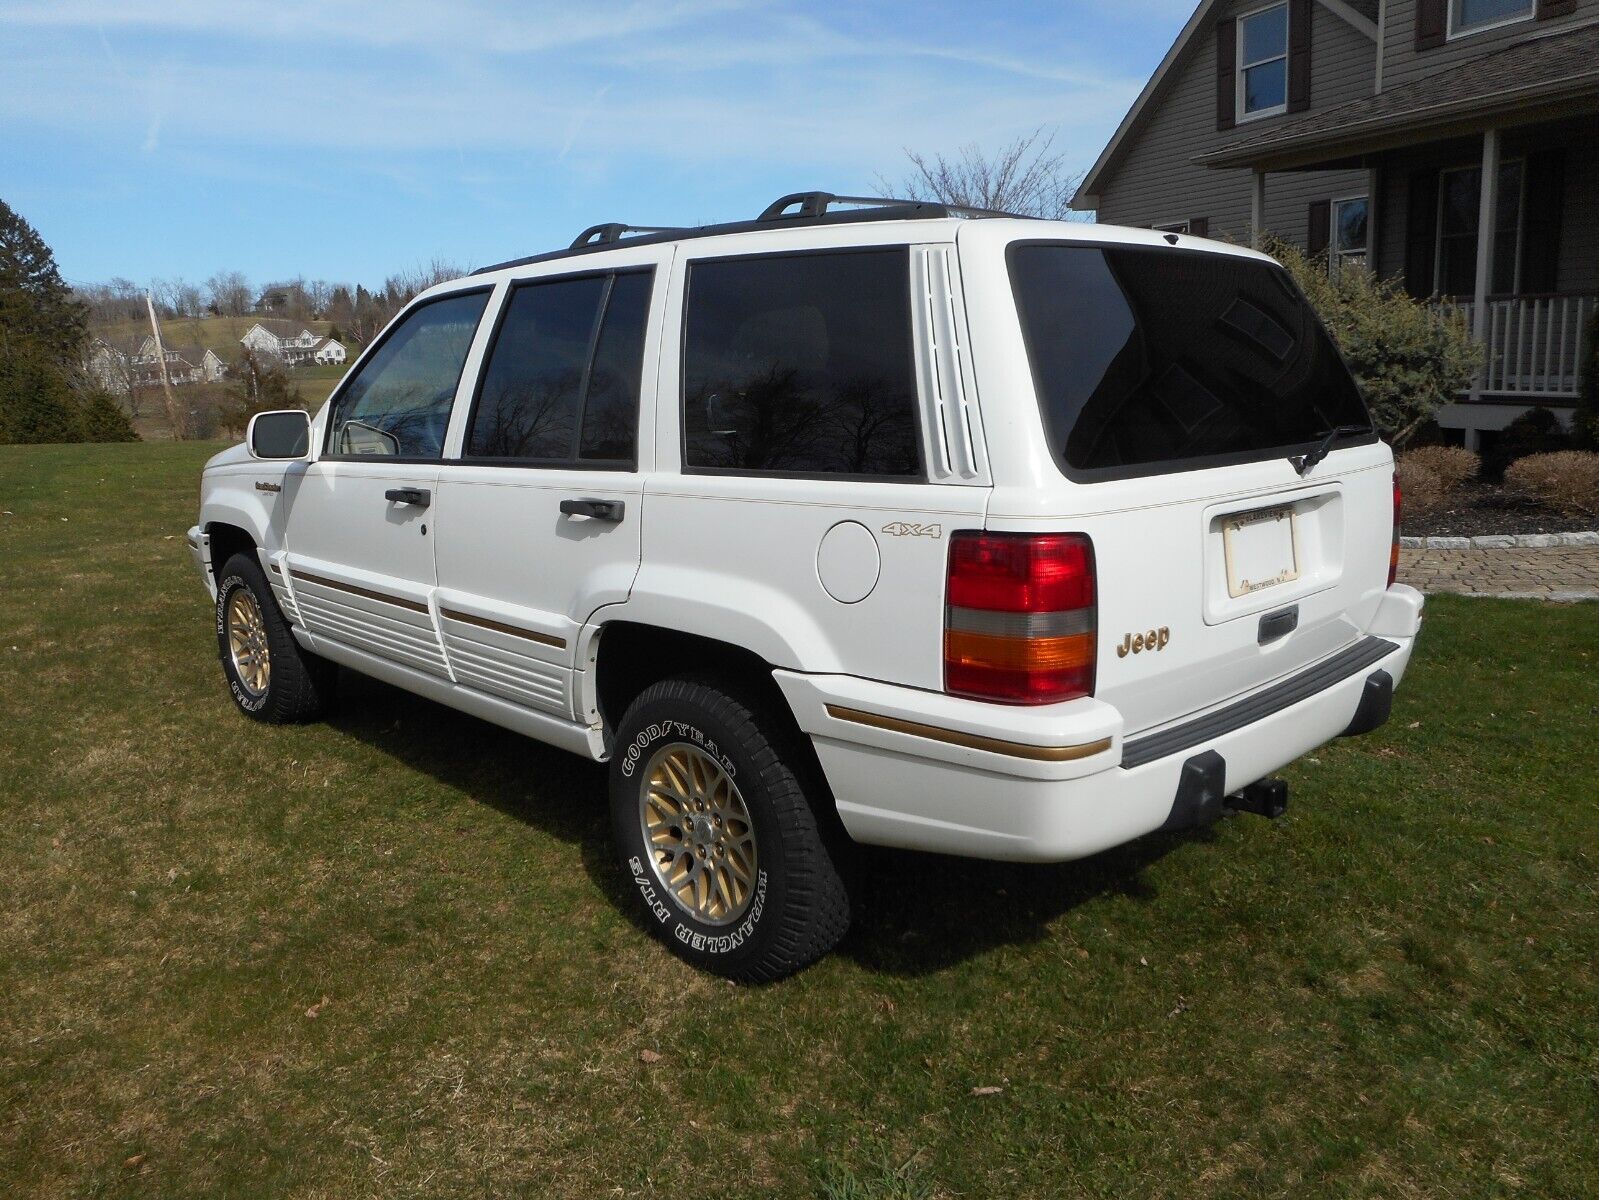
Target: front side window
[(801, 364), (1149, 359), (562, 380), (1263, 62), (397, 405), (1469, 16), (1459, 204), (1349, 220)]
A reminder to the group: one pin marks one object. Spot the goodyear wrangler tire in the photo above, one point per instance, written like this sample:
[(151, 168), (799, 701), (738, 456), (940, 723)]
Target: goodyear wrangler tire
[(717, 838), (269, 676)]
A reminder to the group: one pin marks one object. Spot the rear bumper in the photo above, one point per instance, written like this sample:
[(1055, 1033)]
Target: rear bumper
[(1058, 783)]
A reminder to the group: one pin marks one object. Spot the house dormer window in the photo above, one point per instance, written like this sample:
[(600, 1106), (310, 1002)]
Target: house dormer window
[(1262, 87), (1473, 16)]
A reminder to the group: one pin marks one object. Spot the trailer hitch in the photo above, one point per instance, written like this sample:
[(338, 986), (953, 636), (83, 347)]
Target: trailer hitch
[(1268, 798)]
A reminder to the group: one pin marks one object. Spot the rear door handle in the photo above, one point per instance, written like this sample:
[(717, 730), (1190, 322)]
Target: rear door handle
[(600, 510), (420, 497)]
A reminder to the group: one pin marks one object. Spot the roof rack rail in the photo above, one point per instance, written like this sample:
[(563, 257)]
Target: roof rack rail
[(599, 235), (811, 208), (816, 204)]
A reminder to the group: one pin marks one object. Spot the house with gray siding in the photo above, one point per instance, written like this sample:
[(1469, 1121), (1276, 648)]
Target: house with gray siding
[(1451, 143)]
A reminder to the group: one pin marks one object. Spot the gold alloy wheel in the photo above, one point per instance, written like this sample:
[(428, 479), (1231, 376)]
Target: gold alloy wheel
[(699, 835), (247, 642)]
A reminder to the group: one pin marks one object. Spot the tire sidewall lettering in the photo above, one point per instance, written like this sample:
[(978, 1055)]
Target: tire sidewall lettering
[(677, 731), (225, 590), (661, 909)]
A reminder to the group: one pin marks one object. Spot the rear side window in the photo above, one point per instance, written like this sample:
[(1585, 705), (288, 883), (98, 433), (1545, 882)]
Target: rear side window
[(1147, 359), (397, 405), (801, 364), (562, 380)]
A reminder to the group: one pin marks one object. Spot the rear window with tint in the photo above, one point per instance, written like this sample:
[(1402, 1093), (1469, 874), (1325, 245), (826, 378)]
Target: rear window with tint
[(1147, 359), (801, 364)]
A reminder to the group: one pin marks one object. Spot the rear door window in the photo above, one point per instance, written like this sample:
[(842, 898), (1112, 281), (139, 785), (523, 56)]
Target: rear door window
[(562, 381), (1150, 360), (801, 364)]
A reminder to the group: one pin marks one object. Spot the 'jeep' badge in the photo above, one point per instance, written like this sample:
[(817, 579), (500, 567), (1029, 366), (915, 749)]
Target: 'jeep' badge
[(1137, 643)]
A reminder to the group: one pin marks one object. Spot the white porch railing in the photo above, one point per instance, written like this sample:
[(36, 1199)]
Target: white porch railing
[(1534, 344)]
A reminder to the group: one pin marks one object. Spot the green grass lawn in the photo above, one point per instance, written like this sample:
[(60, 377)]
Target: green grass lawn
[(390, 955)]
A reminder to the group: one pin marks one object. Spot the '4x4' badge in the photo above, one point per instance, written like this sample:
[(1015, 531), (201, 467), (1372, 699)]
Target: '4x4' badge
[(909, 529)]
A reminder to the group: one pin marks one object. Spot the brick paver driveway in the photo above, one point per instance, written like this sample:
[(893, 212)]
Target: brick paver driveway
[(1560, 573)]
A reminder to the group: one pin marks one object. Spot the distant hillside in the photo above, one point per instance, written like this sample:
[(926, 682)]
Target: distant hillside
[(221, 334)]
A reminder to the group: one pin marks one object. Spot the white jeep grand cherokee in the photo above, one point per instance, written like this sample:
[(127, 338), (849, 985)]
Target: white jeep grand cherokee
[(993, 537)]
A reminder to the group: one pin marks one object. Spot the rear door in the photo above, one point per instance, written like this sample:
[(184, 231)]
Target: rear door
[(544, 503), (1175, 387), (815, 452), (360, 523)]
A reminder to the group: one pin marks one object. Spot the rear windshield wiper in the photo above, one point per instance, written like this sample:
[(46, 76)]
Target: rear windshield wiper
[(1306, 463)]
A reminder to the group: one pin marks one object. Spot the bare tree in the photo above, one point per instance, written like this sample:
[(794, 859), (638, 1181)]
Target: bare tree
[(229, 293), (1024, 177), (319, 292)]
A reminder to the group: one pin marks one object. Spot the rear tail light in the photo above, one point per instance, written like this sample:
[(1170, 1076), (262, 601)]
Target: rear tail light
[(1393, 551), (1021, 624)]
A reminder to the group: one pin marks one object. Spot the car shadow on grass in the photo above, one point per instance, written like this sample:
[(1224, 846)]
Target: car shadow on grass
[(913, 914)]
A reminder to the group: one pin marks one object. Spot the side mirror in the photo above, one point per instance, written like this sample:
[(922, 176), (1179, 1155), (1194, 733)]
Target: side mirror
[(281, 434)]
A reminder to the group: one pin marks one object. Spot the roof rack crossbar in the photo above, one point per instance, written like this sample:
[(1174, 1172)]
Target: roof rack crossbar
[(614, 231), (816, 204)]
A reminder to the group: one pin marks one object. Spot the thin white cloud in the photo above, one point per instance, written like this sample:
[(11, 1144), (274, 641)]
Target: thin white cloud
[(479, 25)]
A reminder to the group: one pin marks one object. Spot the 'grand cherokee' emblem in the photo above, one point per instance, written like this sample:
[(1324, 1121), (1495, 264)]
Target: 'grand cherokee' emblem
[(261, 486)]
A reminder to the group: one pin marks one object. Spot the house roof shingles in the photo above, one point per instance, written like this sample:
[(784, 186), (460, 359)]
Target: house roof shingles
[(1557, 67), (281, 328)]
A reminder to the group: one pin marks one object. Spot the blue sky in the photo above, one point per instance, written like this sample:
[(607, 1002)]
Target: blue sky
[(174, 138)]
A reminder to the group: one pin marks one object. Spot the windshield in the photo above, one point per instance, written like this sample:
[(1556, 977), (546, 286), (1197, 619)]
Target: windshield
[(1151, 359)]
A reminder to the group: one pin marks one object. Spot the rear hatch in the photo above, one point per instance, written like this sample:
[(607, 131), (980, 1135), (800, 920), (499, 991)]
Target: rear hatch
[(1177, 387)]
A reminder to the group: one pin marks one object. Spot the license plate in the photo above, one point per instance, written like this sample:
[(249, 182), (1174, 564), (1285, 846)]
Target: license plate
[(1262, 549)]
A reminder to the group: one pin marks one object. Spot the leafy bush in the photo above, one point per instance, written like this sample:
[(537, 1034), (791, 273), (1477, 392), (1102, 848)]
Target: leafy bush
[(1432, 477), (100, 419), (1536, 431), (1409, 357), (45, 396), (260, 385), (38, 404), (1567, 481)]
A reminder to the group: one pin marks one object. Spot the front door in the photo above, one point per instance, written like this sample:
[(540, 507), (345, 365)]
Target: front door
[(544, 503), (361, 524)]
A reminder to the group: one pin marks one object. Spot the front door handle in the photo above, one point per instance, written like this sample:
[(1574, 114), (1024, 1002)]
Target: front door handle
[(420, 497), (600, 510)]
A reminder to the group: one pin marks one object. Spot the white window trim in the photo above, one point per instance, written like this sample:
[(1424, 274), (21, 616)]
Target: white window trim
[(1334, 254), (1171, 227), (1521, 225), (1472, 30), (1240, 66)]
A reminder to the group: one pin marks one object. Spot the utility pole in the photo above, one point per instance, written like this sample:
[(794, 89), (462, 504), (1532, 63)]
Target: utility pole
[(161, 357)]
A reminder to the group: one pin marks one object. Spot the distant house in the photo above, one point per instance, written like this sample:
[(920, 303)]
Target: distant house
[(185, 364), (292, 342), (1446, 142), (107, 362)]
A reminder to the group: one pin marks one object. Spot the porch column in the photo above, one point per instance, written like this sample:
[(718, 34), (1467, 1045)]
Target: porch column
[(1257, 210), (1487, 222), (1373, 204)]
